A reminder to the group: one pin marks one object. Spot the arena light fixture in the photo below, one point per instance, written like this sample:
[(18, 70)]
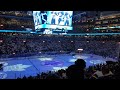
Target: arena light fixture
[(13, 53), (1, 25), (1, 41), (80, 49), (24, 41)]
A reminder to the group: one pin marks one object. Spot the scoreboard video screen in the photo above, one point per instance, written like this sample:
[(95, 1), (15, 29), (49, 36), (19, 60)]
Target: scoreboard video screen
[(53, 20)]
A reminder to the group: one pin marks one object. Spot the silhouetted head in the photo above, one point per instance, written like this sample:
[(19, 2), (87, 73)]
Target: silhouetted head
[(105, 70), (80, 63)]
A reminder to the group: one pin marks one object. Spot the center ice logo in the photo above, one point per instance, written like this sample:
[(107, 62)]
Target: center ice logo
[(52, 63)]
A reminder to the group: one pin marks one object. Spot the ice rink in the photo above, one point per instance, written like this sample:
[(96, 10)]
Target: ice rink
[(32, 65)]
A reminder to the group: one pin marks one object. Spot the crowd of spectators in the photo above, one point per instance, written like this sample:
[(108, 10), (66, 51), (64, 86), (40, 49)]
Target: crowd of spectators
[(16, 20), (16, 45), (19, 24), (17, 13), (22, 44), (102, 48)]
